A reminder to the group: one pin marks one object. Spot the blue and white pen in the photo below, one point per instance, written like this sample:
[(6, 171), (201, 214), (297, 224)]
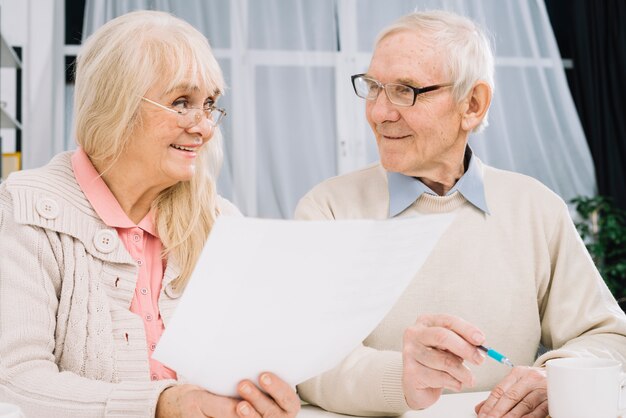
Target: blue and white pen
[(500, 358)]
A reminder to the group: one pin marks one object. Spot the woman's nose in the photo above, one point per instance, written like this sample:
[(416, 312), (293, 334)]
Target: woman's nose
[(205, 128)]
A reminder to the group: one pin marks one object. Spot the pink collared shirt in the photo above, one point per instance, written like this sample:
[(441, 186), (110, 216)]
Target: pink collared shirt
[(143, 244)]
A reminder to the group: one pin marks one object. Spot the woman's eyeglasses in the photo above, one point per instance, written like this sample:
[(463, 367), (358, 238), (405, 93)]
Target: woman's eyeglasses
[(191, 116)]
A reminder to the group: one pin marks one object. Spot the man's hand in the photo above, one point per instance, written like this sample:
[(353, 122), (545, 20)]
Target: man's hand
[(522, 393), (433, 352), (190, 401)]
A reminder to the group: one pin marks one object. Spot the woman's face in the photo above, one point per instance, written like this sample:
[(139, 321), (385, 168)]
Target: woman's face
[(163, 151)]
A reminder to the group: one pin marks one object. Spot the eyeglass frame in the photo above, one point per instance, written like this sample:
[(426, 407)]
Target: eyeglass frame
[(416, 90), (210, 109)]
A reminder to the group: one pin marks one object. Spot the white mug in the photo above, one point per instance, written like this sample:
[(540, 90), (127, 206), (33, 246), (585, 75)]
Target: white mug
[(585, 388), (8, 410)]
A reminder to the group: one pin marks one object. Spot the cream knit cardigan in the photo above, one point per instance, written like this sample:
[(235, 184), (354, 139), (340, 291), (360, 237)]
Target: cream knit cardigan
[(69, 345)]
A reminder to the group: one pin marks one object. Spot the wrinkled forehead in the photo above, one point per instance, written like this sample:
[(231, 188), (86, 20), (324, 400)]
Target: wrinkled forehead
[(408, 55)]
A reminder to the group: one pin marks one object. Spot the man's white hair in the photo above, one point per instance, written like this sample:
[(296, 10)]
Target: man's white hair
[(466, 46)]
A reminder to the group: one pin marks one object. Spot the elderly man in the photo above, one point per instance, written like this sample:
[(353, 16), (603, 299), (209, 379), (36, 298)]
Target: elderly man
[(511, 271)]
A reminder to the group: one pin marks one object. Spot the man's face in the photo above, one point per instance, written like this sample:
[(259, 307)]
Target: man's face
[(424, 139)]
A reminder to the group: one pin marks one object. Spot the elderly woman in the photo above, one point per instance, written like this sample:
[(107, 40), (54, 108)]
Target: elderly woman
[(97, 246)]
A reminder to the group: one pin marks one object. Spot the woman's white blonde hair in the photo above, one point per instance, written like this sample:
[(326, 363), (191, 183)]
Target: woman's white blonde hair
[(115, 68), (465, 44)]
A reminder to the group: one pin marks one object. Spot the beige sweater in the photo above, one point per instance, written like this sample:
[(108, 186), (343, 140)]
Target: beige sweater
[(520, 273), (69, 345)]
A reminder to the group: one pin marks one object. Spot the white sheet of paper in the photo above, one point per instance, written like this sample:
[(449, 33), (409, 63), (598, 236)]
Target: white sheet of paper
[(290, 297)]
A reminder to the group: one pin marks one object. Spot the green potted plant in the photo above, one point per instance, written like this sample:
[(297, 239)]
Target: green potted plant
[(603, 228)]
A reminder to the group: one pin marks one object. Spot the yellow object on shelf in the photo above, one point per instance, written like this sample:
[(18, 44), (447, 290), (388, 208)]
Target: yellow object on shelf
[(11, 162)]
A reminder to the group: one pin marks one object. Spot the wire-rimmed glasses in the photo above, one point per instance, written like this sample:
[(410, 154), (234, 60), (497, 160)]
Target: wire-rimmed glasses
[(399, 94), (191, 116)]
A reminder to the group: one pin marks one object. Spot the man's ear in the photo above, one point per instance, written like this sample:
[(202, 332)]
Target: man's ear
[(478, 101)]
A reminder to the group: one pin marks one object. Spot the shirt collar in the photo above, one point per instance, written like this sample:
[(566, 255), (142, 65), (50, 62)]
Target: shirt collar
[(102, 199), (404, 190)]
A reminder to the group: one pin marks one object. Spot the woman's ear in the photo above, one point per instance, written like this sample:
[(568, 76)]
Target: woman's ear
[(478, 102)]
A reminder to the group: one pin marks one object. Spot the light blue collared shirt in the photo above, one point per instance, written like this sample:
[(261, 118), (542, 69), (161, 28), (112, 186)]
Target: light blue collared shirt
[(404, 190)]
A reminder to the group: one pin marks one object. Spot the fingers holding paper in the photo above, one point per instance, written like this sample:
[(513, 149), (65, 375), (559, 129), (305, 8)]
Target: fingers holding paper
[(434, 351), (279, 399), (522, 393), (190, 401)]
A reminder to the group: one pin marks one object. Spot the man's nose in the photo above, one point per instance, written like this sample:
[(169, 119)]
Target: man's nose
[(382, 110)]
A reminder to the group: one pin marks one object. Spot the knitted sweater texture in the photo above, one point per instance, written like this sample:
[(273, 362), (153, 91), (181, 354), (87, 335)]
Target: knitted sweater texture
[(69, 345), (520, 273)]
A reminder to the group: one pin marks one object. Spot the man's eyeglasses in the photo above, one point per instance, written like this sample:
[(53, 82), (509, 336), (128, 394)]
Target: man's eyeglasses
[(399, 94), (191, 116)]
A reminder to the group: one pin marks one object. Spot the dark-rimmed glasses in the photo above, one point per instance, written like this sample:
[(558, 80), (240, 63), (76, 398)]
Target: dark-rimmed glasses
[(191, 116), (399, 94)]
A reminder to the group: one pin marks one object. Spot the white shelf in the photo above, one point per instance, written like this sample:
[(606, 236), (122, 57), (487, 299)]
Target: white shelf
[(8, 121), (8, 58)]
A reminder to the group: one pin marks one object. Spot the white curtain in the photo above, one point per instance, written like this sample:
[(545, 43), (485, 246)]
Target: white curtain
[(294, 120)]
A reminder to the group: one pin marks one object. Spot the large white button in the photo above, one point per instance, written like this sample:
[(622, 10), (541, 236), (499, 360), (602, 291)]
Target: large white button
[(105, 241), (47, 208)]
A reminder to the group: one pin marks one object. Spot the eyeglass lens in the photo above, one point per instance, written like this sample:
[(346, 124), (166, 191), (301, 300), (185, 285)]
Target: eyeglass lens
[(397, 93), (194, 117)]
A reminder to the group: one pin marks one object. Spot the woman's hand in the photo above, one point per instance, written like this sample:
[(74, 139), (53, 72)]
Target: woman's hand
[(279, 399), (190, 401)]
